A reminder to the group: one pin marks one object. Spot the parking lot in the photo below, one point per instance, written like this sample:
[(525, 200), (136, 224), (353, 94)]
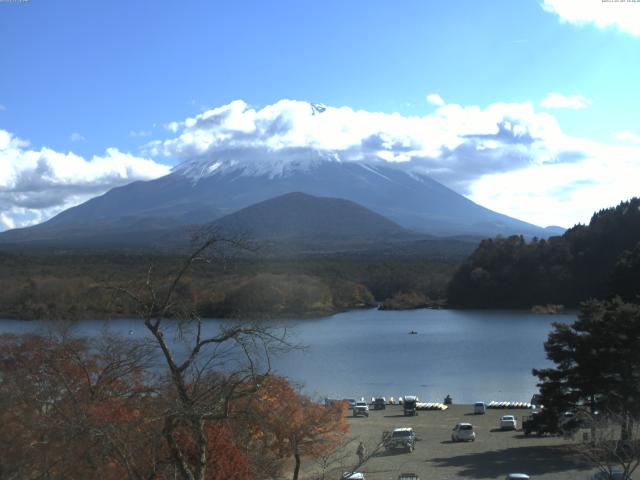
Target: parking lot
[(493, 454)]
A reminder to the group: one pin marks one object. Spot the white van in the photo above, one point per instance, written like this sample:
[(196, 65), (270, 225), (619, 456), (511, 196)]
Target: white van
[(479, 408)]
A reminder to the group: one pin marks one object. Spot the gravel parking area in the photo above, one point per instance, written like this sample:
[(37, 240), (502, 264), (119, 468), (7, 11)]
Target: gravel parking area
[(493, 454)]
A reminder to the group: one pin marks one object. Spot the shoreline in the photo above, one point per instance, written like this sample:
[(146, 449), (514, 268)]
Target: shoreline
[(290, 316)]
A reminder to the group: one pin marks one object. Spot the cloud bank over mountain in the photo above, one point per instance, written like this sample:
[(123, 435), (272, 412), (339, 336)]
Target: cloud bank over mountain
[(509, 157), (37, 184), (455, 145), (506, 156)]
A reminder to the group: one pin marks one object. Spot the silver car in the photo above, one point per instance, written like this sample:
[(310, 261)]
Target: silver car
[(463, 432)]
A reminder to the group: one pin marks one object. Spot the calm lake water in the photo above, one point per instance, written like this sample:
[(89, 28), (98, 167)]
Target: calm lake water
[(471, 355)]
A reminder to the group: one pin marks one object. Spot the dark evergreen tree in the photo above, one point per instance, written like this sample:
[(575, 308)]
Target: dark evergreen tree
[(600, 260), (625, 279), (597, 362)]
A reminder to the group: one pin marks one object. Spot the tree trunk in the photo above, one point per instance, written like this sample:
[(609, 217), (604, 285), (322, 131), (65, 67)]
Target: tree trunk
[(627, 426), (593, 419), (296, 455), (297, 469)]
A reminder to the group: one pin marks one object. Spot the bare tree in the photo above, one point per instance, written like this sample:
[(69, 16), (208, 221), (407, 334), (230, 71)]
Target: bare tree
[(337, 464), (208, 370), (606, 446), (335, 459)]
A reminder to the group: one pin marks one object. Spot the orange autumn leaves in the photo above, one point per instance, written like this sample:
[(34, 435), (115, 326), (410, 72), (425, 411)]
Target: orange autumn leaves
[(295, 421), (292, 425), (68, 410), (71, 409)]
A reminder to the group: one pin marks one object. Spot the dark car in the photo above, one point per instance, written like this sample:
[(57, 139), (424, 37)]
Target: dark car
[(540, 423), (379, 404)]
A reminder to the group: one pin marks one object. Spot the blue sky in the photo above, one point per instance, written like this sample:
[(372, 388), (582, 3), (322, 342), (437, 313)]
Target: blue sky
[(91, 84)]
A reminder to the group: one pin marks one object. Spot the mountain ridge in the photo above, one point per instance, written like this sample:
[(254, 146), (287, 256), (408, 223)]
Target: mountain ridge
[(412, 200), (298, 214)]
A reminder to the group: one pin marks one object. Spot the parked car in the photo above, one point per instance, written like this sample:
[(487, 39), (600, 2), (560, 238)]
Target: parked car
[(508, 422), (410, 405), (379, 403), (361, 408), (613, 475), (463, 432), (517, 476), (408, 476), (536, 400), (401, 439), (479, 408), (539, 423), (353, 476), (569, 422)]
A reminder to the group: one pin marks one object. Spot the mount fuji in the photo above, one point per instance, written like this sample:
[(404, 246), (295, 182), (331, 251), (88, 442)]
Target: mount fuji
[(201, 191)]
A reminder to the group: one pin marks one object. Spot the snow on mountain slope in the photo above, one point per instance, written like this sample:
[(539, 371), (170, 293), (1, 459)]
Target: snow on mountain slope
[(235, 156), (188, 196)]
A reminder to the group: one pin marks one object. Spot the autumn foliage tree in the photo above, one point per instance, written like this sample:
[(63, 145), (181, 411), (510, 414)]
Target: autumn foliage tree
[(70, 407), (189, 402), (208, 370), (293, 425)]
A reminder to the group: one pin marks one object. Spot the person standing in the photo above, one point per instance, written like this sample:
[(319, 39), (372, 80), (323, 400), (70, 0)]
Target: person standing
[(362, 452)]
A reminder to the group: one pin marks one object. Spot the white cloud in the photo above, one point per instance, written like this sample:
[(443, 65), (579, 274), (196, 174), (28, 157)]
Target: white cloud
[(563, 194), (76, 137), (172, 127), (37, 184), (139, 133), (557, 100), (628, 136), (507, 156), (623, 15), (435, 99), (455, 144)]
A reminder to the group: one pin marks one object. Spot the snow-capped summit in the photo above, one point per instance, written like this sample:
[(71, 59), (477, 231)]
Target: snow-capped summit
[(235, 156), (192, 195), (259, 163)]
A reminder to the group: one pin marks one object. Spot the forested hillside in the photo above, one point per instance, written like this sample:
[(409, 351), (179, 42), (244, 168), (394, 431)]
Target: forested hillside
[(598, 260), (75, 286)]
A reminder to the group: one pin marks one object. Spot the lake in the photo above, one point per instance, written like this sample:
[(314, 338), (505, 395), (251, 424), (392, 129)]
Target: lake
[(471, 355)]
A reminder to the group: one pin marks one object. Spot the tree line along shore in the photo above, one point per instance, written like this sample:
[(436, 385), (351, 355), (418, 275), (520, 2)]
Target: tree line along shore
[(598, 260), (76, 286)]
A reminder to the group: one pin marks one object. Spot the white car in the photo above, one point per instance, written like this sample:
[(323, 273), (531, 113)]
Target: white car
[(361, 408), (353, 476), (479, 408), (508, 422), (463, 432), (517, 476)]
